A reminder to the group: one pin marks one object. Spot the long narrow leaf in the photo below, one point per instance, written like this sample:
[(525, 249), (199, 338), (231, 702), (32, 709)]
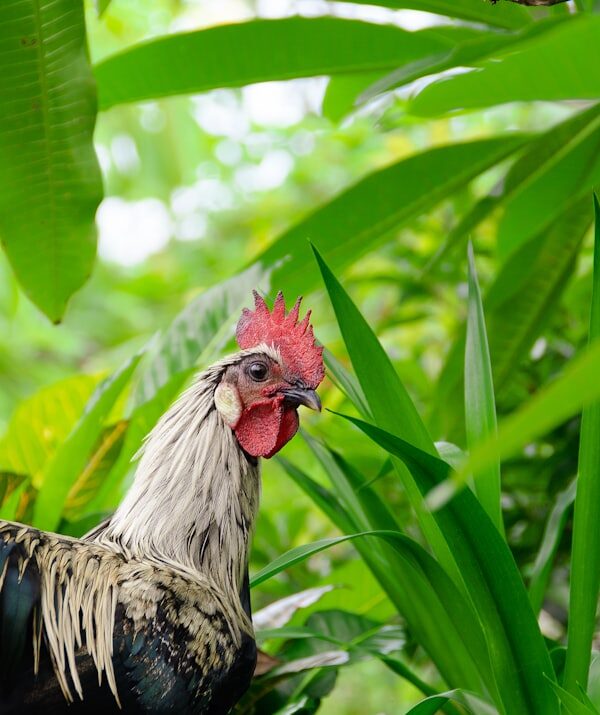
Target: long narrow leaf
[(585, 562), (257, 51), (517, 308), (480, 405), (577, 388), (520, 659), (388, 400), (540, 573), (502, 15), (571, 705), (559, 151), (367, 213), (550, 67), (436, 612), (300, 553)]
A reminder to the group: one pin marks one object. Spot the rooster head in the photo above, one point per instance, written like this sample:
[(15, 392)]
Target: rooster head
[(279, 370)]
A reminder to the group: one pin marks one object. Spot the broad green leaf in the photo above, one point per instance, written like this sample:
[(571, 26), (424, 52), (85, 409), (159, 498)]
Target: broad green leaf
[(552, 66), (41, 423), (542, 568), (503, 14), (256, 51), (364, 215), (51, 184), (71, 457), (585, 559), (520, 659), (480, 404), (437, 614), (517, 307)]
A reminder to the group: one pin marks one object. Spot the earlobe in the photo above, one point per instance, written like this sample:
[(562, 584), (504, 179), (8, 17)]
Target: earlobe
[(228, 403)]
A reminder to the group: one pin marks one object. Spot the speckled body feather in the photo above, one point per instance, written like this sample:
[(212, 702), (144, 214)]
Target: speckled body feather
[(154, 604)]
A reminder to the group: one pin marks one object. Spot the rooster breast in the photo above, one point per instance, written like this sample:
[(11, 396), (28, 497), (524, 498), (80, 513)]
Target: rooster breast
[(71, 610)]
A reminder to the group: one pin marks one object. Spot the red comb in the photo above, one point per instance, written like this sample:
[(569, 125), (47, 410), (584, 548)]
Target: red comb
[(294, 339)]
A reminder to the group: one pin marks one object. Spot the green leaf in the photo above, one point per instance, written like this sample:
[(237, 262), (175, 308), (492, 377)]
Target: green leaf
[(585, 559), (552, 66), (71, 457), (501, 15), (257, 51), (51, 183), (560, 154), (8, 483), (549, 178), (520, 659), (101, 460), (540, 573), (41, 423), (571, 704), (517, 306), (346, 382), (480, 405), (435, 704), (577, 388), (341, 95), (469, 47), (364, 215), (102, 6), (438, 615), (300, 553), (387, 397)]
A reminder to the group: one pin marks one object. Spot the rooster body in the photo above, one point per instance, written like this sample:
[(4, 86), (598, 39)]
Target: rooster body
[(150, 612), (171, 646)]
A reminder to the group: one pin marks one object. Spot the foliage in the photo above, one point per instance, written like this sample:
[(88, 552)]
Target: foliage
[(433, 524)]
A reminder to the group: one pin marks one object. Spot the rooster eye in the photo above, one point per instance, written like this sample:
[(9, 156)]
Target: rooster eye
[(257, 371)]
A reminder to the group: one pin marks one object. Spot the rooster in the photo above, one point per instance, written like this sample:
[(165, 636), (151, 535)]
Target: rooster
[(150, 612)]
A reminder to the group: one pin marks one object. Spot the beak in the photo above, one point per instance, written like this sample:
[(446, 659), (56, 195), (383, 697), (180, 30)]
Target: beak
[(295, 396)]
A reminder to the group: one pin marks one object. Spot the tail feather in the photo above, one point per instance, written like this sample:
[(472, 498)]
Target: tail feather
[(19, 596)]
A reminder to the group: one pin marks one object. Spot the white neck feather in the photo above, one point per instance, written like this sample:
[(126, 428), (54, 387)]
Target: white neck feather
[(195, 494)]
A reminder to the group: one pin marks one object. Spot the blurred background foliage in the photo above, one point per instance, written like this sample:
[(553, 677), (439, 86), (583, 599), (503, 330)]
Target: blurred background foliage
[(198, 186)]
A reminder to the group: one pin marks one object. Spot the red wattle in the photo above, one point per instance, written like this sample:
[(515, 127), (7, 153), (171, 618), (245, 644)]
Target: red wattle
[(264, 428)]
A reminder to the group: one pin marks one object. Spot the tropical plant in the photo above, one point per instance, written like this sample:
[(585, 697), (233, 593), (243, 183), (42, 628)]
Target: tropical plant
[(459, 574)]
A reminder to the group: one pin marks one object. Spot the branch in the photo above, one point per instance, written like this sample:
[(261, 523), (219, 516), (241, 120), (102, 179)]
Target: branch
[(536, 3)]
